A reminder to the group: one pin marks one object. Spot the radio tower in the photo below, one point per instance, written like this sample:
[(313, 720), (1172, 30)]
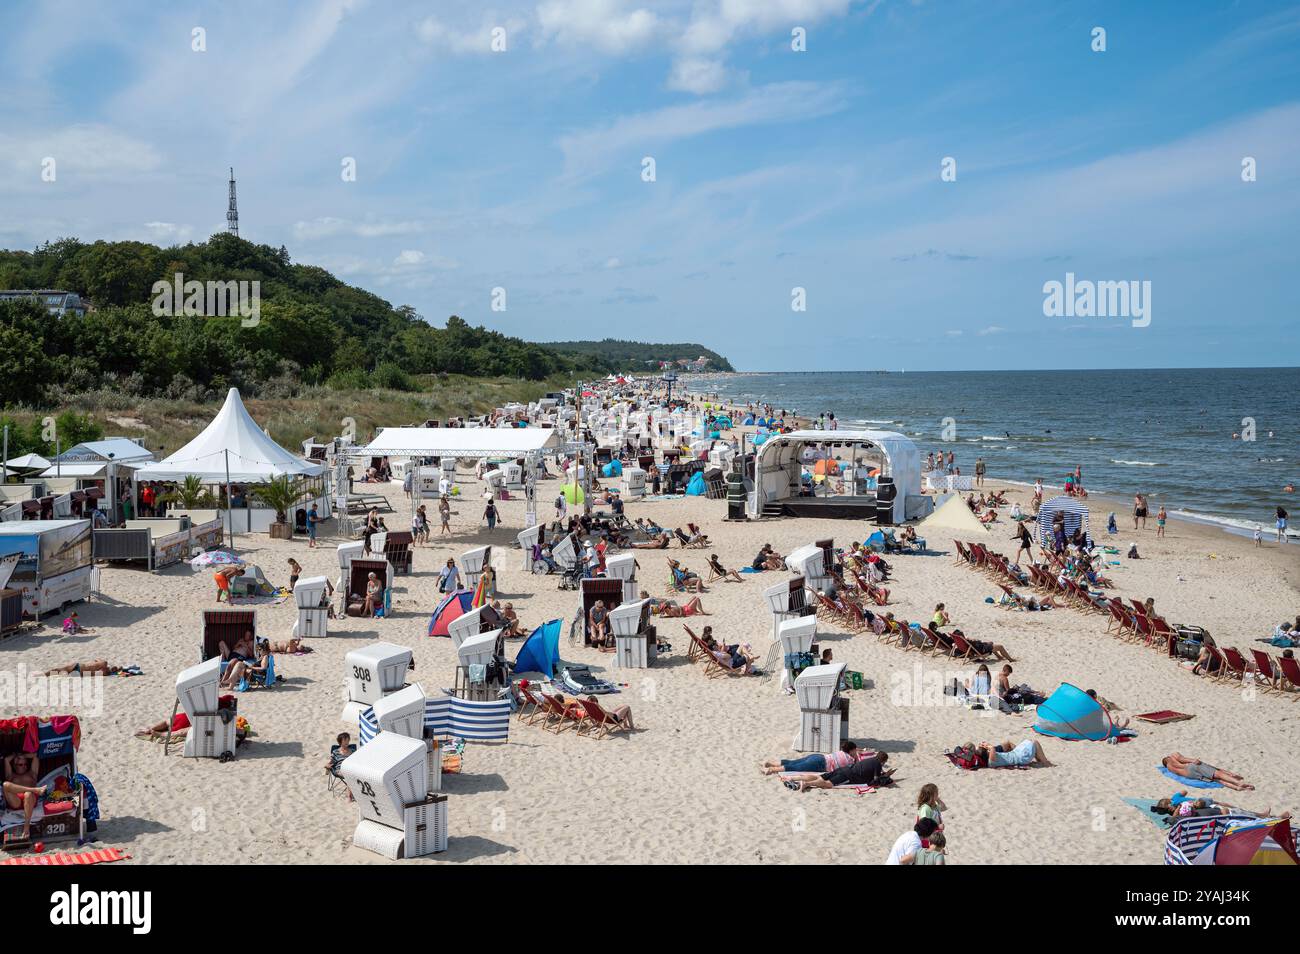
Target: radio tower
[(232, 213)]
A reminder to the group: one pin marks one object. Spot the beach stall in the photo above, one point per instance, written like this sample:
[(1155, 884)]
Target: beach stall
[(389, 781), (635, 642), (212, 722), (310, 596), (608, 591), (233, 452), (154, 541), (823, 713), (372, 672), (780, 487), (54, 562)]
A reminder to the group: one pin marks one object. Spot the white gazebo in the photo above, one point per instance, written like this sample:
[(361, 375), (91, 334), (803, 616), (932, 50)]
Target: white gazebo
[(233, 449)]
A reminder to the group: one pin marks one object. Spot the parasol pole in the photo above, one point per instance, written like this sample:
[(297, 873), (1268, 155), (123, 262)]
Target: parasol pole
[(230, 501)]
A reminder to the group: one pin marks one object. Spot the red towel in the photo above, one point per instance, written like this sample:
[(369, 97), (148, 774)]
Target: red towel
[(98, 856)]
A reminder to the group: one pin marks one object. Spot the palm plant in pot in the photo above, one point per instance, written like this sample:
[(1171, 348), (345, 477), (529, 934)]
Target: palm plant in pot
[(190, 494), (280, 494)]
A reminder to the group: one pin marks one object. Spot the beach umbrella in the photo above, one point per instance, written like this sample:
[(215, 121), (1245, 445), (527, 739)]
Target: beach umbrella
[(216, 558)]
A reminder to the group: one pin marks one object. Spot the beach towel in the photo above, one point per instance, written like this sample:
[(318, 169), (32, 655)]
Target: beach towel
[(96, 857), (1190, 782), (1143, 805), (1163, 716)]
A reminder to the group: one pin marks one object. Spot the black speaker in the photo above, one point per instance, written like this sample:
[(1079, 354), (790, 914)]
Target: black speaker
[(886, 492)]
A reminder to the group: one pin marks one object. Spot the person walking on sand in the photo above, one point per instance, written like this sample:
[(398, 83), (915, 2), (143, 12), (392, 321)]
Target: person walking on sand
[(1281, 524), (313, 518), (490, 515), (979, 471), (1161, 516), (444, 514)]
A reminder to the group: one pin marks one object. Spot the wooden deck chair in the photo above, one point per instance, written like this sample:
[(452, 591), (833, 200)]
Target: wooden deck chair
[(964, 649), (963, 555), (599, 721), (1264, 666), (941, 644), (1234, 664), (530, 704), (1290, 677), (1120, 622), (697, 649), (561, 713)]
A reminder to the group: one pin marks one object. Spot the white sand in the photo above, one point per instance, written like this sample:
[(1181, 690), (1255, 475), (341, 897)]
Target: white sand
[(686, 788)]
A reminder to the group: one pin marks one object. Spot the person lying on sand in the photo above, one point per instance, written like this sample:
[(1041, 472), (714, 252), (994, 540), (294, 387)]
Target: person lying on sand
[(719, 572), (91, 667), (815, 762), (669, 609), (1204, 772), (1008, 755), (293, 645), (867, 771), (1182, 805)]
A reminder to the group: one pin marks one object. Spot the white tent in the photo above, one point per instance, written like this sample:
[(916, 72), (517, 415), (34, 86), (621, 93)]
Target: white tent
[(28, 462), (233, 448), (461, 442), (953, 515)]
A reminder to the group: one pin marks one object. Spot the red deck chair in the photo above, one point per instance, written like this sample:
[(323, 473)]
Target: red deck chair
[(1290, 676), (1264, 666), (1234, 664)]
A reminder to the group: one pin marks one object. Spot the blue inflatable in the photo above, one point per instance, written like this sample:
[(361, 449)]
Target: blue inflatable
[(695, 487), (612, 469), (1070, 713)]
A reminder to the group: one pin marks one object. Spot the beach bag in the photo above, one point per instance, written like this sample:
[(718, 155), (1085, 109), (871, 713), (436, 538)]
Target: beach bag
[(966, 757)]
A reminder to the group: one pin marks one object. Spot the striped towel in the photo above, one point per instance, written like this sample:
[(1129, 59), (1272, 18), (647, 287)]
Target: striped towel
[(61, 859)]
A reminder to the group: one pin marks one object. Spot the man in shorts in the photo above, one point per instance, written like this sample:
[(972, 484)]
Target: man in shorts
[(1199, 771)]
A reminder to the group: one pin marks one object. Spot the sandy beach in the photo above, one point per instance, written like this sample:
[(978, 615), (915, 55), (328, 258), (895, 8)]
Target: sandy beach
[(686, 787)]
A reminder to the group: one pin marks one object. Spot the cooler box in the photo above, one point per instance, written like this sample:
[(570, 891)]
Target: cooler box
[(385, 775)]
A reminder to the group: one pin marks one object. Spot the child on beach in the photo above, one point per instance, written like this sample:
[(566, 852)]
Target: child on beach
[(1161, 516), (929, 805), (933, 853)]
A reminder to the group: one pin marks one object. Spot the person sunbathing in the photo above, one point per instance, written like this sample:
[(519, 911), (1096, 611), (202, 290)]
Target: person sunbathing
[(239, 670), (866, 771), (695, 536), (719, 572), (685, 579), (509, 619), (815, 761), (1181, 805), (768, 559), (293, 645), (670, 609), (735, 656), (1204, 772), (1009, 755), (659, 542), (89, 668), (244, 649), (21, 792)]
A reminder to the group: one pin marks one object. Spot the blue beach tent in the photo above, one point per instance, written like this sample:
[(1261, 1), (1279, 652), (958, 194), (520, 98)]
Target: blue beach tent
[(1070, 713), (540, 651)]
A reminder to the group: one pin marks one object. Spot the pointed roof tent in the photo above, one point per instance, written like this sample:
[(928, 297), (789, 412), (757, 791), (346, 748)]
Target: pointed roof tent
[(28, 462), (233, 438), (953, 515)]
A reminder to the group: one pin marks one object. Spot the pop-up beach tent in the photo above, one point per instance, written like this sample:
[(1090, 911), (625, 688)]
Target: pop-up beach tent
[(453, 607), (953, 516), (1231, 840), (1070, 713), (540, 651)]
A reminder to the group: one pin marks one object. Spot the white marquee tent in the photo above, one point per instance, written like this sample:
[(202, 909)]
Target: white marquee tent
[(461, 442), (231, 448)]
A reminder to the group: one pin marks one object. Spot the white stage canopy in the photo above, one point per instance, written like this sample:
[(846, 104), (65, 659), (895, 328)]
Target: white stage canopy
[(231, 447), (461, 442)]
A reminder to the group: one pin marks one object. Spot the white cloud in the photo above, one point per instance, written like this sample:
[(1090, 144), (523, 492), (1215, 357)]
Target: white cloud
[(953, 334), (330, 226), (697, 75), (613, 263), (990, 330), (591, 149), (168, 232), (610, 26), (409, 256), (454, 39), (79, 150)]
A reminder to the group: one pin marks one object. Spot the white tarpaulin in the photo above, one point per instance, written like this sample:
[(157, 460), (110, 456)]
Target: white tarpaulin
[(232, 445), (461, 442)]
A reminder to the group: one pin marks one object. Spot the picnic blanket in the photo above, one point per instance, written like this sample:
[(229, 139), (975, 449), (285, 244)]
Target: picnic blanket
[(1193, 782), (98, 856)]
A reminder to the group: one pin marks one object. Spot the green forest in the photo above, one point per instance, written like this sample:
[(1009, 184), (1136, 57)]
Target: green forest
[(639, 356), (313, 330)]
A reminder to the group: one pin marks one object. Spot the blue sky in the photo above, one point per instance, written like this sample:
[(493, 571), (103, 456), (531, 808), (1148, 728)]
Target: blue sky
[(775, 169)]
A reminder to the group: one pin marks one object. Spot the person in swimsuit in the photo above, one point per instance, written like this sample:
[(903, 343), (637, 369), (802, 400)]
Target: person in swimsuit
[(243, 651), (295, 571), (1161, 516), (1139, 511), (598, 626), (20, 789), (1204, 772), (85, 669)]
